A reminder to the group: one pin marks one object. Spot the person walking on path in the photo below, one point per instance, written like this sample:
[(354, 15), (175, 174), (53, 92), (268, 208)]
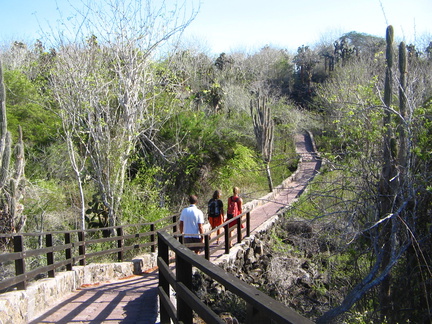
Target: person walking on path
[(234, 209), (215, 212), (235, 204), (191, 224)]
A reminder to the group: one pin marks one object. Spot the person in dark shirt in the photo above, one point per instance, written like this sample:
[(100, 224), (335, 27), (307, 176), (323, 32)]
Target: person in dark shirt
[(215, 211)]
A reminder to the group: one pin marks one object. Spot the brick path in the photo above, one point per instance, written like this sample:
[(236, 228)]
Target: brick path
[(134, 299)]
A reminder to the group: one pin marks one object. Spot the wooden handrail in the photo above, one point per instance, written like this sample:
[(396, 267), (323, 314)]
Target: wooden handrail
[(261, 308), (76, 246), (243, 230)]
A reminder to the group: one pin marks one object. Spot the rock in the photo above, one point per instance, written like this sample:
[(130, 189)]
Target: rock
[(228, 318)]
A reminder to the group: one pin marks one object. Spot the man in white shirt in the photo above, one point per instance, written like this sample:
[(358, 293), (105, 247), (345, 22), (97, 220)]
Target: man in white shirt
[(191, 222)]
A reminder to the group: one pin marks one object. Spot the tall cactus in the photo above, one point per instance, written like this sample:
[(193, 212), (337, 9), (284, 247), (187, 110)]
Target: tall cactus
[(388, 184), (4, 134), (12, 218), (403, 70), (388, 152), (263, 128), (389, 60)]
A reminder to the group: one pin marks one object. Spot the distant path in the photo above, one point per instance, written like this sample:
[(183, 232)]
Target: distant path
[(134, 300), (291, 190), (307, 169)]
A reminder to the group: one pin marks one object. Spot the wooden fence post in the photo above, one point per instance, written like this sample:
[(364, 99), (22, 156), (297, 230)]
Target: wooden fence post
[(253, 315), (207, 246), (163, 254), (82, 248), (248, 224), (227, 238), (239, 230), (153, 237), (120, 254), (68, 252), (184, 275), (174, 220), (19, 263), (50, 255)]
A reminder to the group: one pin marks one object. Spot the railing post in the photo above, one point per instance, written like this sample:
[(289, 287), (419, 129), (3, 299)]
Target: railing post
[(153, 237), (163, 255), (50, 255), (68, 252), (248, 224), (207, 246), (184, 275), (19, 263), (227, 238), (174, 220), (239, 232), (120, 242), (81, 248), (253, 315)]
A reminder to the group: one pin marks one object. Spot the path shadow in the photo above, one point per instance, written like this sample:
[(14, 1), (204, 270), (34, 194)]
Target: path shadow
[(132, 300)]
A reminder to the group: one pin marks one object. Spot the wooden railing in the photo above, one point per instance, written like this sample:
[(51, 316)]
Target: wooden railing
[(234, 229), (260, 307), (63, 249)]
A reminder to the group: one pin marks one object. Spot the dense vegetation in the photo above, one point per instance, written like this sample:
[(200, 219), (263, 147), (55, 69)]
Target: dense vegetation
[(118, 132)]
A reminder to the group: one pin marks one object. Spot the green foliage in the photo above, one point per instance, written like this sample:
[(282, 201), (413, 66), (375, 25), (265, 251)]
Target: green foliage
[(25, 108), (423, 149), (50, 162), (354, 119), (46, 202), (217, 154), (142, 203), (242, 170), (202, 143)]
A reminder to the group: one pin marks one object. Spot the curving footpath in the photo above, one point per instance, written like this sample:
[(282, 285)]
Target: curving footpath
[(134, 299)]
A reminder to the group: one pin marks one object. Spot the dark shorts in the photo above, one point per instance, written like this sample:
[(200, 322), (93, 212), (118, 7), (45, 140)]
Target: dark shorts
[(193, 240)]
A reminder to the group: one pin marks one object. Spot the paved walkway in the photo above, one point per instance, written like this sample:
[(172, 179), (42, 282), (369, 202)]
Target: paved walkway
[(134, 299), (128, 301)]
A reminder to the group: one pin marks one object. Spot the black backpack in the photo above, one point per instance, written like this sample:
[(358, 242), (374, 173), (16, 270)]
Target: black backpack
[(213, 208)]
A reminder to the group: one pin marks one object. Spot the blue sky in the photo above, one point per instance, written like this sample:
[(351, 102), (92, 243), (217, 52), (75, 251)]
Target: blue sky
[(230, 25)]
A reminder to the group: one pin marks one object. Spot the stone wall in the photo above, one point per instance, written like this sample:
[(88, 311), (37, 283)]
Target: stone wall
[(251, 248), (22, 306)]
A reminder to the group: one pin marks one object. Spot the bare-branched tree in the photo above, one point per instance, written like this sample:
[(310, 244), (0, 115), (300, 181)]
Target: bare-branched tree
[(396, 209), (105, 83)]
